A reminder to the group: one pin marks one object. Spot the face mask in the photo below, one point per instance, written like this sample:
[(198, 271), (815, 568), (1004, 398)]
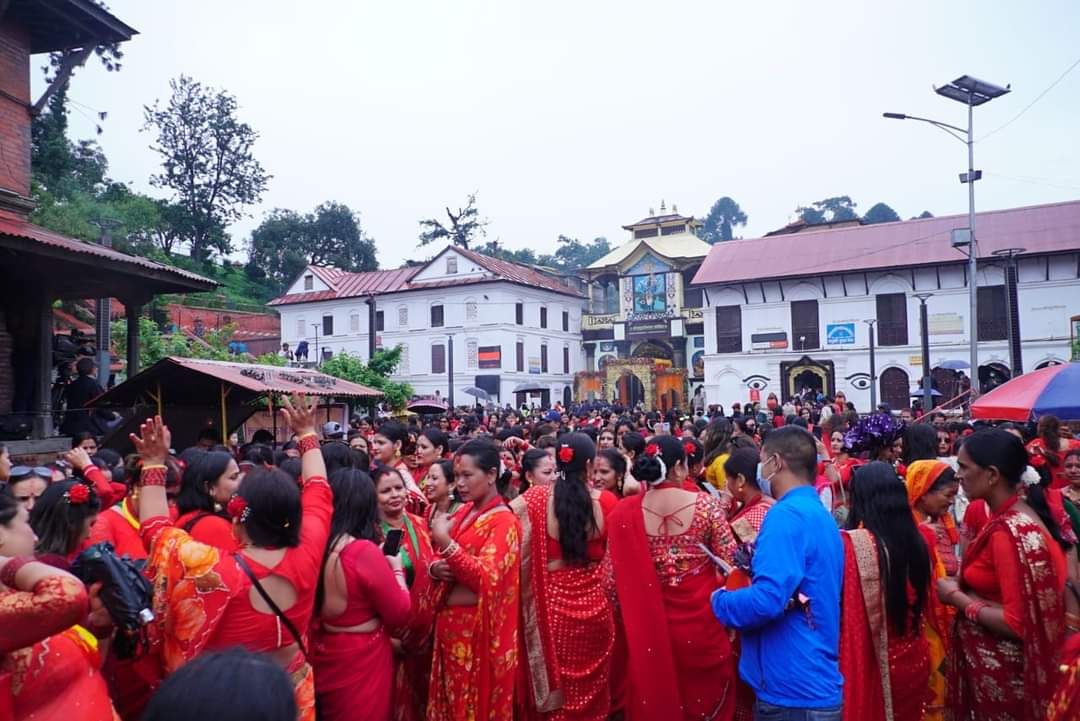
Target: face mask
[(765, 484)]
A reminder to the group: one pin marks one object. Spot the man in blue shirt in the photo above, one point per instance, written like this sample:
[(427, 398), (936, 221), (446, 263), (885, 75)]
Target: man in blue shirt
[(790, 648)]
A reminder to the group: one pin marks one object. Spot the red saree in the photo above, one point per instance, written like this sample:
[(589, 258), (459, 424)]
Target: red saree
[(1065, 705), (886, 678), (412, 659), (475, 655), (746, 525), (993, 677), (680, 660), (567, 625)]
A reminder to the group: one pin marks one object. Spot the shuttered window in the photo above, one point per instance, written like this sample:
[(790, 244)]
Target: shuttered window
[(729, 329), (438, 359), (566, 359), (436, 316), (892, 319), (520, 357), (993, 313), (543, 359), (804, 325)]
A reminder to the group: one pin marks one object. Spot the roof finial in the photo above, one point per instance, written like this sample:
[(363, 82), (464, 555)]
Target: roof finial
[(652, 212), (674, 209), (663, 207)]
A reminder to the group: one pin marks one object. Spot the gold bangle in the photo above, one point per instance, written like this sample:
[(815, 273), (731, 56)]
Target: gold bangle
[(153, 466)]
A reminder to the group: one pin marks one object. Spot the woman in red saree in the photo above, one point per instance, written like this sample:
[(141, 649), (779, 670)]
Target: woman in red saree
[(206, 486), (476, 623), (1006, 638), (931, 489), (567, 624), (431, 445), (680, 660), (884, 656), (362, 592), (411, 635), (388, 446), (206, 599), (48, 663), (1050, 446)]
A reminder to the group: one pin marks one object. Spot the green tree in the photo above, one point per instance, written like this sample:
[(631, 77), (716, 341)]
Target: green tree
[(880, 213), (207, 162), (462, 228), (571, 254), (286, 241), (829, 210), (495, 249), (924, 214), (375, 374), (723, 217)]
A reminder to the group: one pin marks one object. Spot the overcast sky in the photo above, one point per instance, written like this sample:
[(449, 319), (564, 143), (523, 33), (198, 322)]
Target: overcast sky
[(577, 117)]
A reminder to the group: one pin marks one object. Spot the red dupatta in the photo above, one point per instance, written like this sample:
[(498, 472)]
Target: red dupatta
[(864, 659), (988, 671), (653, 681)]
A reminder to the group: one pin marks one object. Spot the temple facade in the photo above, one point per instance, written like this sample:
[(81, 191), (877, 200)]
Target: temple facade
[(643, 334)]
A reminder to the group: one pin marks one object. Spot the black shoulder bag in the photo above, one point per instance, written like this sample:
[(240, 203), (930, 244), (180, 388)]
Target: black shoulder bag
[(270, 602)]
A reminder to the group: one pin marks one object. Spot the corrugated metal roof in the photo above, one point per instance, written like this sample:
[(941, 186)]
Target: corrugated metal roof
[(683, 245), (1052, 228), (518, 273), (13, 225)]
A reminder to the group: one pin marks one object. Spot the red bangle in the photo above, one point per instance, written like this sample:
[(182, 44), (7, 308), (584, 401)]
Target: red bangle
[(7, 573), (308, 443), (972, 610), (304, 482), (152, 476)]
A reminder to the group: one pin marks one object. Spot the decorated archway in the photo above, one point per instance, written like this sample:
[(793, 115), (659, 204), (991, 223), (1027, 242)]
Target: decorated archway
[(819, 376)]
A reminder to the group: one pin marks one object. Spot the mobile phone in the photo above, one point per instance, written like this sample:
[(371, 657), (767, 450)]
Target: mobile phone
[(723, 565), (392, 544)]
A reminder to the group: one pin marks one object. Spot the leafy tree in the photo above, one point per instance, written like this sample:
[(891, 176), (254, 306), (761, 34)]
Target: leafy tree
[(924, 214), (572, 254), (207, 162), (375, 374), (829, 210), (493, 248), (723, 217), (461, 228), (880, 213), (286, 241)]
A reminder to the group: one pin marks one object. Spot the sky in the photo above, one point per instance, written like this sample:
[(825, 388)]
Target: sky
[(576, 118)]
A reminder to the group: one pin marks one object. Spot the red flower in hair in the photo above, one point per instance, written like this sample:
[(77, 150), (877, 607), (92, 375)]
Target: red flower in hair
[(1037, 460), (690, 448), (652, 449), (566, 454), (238, 508), (78, 494)]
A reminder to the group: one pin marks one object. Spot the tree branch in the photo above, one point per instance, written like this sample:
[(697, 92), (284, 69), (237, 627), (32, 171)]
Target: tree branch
[(63, 73)]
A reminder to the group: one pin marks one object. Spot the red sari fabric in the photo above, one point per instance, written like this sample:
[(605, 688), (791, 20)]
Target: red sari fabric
[(119, 525), (412, 662), (746, 525), (476, 647), (886, 677), (1056, 467), (990, 676), (49, 666), (209, 528), (680, 660), (1065, 705), (567, 625), (354, 671)]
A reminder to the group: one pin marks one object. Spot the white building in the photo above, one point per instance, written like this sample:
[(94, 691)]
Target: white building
[(497, 325), (788, 310)]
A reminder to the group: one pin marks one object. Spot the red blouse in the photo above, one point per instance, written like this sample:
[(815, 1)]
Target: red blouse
[(119, 526), (372, 589), (209, 528), (595, 547)]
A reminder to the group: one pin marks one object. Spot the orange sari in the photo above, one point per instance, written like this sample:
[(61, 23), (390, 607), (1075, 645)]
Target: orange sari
[(476, 647)]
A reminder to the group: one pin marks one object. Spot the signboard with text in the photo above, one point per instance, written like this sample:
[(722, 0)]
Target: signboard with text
[(769, 341), (840, 334), (647, 329)]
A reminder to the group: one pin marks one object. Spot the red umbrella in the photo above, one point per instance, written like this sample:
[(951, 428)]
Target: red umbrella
[(1047, 391)]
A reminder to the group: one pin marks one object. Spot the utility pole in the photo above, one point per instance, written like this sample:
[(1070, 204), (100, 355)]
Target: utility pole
[(103, 311), (372, 313), (450, 370), (924, 332), (873, 368)]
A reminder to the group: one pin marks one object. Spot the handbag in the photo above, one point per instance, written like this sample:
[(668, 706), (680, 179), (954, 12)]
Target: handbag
[(270, 602)]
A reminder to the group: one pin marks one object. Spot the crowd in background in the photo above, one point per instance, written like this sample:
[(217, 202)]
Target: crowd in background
[(778, 561)]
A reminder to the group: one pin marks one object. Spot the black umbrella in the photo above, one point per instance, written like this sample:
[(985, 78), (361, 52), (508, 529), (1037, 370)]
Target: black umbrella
[(529, 387), (427, 405), (479, 393)]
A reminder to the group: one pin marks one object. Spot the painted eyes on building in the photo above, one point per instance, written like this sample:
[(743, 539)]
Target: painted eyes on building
[(756, 382), (859, 381)]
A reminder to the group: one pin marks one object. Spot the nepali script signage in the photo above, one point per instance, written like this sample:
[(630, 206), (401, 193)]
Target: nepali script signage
[(598, 322), (648, 329), (840, 334)]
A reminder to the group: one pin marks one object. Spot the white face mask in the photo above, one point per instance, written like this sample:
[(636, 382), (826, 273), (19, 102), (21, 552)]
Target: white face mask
[(765, 482)]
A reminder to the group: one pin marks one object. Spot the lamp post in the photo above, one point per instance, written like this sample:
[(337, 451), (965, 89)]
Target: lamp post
[(316, 327), (873, 368), (450, 370), (971, 92), (924, 333), (1012, 308)]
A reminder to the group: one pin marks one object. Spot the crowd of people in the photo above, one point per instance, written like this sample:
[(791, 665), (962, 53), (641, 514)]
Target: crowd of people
[(575, 564)]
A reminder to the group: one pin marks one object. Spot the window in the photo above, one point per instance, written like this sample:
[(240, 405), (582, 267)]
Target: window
[(451, 265), (438, 359), (471, 311), (309, 282), (403, 316), (300, 329), (520, 357), (543, 359), (519, 313), (804, 325), (543, 317), (380, 321), (328, 325), (993, 314), (403, 363), (354, 322), (692, 297), (470, 354), (892, 319), (729, 329), (566, 359), (566, 320), (436, 316)]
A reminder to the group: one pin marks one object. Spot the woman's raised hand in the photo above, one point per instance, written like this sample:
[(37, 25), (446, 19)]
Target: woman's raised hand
[(153, 441), (299, 413)]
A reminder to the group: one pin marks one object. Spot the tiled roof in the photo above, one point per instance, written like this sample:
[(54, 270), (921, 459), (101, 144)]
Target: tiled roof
[(675, 247), (353, 285), (1053, 228), (659, 220)]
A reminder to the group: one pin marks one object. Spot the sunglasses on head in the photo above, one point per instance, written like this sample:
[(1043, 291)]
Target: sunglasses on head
[(18, 473)]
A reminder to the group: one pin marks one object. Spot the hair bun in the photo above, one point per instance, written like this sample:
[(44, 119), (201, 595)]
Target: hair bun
[(647, 469)]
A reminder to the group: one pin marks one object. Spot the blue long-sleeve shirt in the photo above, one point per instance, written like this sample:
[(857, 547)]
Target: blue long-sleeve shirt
[(788, 658)]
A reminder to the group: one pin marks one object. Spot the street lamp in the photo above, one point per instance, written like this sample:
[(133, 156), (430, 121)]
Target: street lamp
[(316, 327), (971, 92), (873, 368), (924, 332), (1012, 307)]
